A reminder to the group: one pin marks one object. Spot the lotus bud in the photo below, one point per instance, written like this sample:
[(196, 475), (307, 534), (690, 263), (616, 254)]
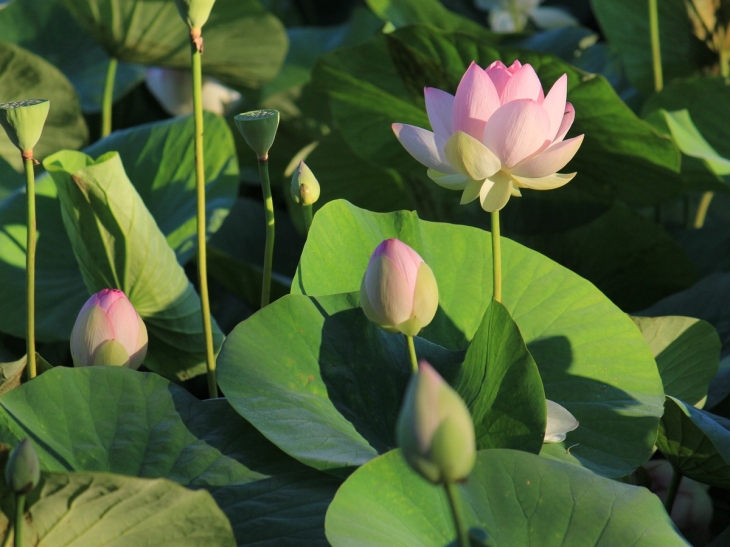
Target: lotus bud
[(258, 128), (23, 121), (399, 291), (304, 185), (194, 12), (108, 331), (23, 471), (435, 431), (559, 423)]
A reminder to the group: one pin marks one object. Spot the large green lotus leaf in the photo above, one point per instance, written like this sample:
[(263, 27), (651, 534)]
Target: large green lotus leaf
[(626, 25), (104, 509), (320, 380), (118, 244), (46, 28), (244, 44), (631, 259), (381, 82), (687, 352), (519, 499), (592, 358), (156, 159), (501, 385), (696, 442), (10, 179), (155, 429), (23, 75), (432, 12)]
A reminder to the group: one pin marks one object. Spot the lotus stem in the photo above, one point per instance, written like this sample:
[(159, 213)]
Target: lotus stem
[(106, 105), (673, 489), (270, 228), (462, 534), (30, 263), (307, 213), (496, 258), (702, 209), (656, 53), (412, 353), (196, 51), (19, 517)]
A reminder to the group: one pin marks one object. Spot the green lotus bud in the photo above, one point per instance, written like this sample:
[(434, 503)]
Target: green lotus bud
[(23, 121), (399, 291), (435, 431), (258, 128), (194, 12), (23, 471), (304, 185)]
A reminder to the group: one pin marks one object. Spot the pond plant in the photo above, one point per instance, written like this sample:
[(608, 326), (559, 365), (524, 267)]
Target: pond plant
[(407, 365)]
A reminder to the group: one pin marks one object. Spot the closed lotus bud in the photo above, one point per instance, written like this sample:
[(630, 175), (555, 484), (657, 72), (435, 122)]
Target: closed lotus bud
[(399, 291), (23, 121), (23, 471), (258, 128), (109, 331), (435, 430), (304, 185), (194, 12)]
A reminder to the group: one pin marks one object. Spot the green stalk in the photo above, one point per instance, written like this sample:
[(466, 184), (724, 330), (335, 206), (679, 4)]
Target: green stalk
[(106, 105), (19, 514), (673, 489), (702, 209), (269, 249), (30, 264), (496, 257), (656, 54), (196, 49), (725, 63), (412, 352), (307, 212), (462, 534)]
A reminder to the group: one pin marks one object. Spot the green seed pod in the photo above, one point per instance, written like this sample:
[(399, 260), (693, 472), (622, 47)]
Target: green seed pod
[(258, 128), (23, 121), (23, 471), (435, 430), (194, 12), (304, 185)]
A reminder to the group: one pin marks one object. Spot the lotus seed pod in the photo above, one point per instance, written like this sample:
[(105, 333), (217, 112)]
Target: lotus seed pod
[(23, 121), (258, 128), (304, 185), (23, 471), (108, 331), (399, 291), (435, 431), (194, 12)]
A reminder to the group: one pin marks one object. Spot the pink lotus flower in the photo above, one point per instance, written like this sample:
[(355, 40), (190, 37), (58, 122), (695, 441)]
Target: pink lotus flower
[(108, 331), (398, 291), (498, 134)]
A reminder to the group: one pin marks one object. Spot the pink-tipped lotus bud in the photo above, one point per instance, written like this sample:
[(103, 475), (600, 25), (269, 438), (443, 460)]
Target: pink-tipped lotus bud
[(109, 331), (23, 471), (399, 291), (435, 430)]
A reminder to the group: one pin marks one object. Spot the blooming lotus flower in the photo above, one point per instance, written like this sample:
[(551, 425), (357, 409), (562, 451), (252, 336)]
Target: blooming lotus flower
[(435, 431), (398, 291), (559, 423), (108, 331), (498, 134)]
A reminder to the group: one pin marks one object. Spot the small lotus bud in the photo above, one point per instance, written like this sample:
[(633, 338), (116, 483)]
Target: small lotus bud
[(435, 431), (23, 121), (258, 128), (23, 471), (304, 185), (399, 291), (559, 423), (194, 12), (109, 331)]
